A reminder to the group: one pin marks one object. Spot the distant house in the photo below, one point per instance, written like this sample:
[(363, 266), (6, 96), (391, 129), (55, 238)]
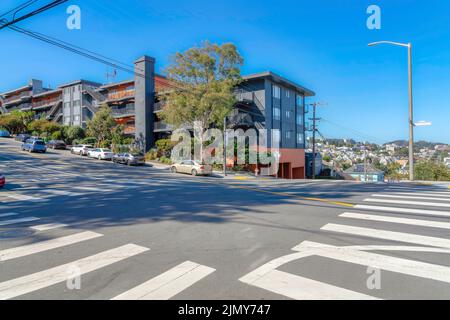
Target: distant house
[(309, 164), (359, 172)]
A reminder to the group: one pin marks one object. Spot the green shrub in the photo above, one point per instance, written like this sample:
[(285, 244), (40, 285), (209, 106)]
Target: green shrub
[(151, 155), (89, 140)]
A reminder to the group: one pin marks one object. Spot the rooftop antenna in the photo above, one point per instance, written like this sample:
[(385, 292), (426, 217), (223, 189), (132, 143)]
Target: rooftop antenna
[(112, 75)]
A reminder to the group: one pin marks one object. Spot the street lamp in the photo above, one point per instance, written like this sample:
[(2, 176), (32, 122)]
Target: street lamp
[(410, 89)]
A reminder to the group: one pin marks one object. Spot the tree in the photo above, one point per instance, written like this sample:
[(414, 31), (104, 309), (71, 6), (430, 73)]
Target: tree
[(71, 133), (205, 77), (431, 171), (101, 126)]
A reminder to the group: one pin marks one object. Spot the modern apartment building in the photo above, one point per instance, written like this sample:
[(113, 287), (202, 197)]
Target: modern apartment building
[(265, 101)]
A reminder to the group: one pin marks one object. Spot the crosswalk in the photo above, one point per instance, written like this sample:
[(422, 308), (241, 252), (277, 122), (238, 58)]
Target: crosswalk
[(396, 207), (161, 287)]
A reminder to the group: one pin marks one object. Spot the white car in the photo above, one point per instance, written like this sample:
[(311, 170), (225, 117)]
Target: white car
[(82, 150), (100, 154)]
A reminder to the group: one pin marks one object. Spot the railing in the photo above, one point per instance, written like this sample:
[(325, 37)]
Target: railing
[(17, 97), (161, 126), (159, 106), (120, 95), (46, 103), (243, 95), (128, 110)]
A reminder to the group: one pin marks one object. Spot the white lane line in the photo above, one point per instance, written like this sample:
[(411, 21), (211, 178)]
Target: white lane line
[(388, 263), (4, 215), (389, 235), (413, 222), (13, 253), (21, 197), (50, 226), (29, 283), (21, 220), (299, 288), (415, 203), (61, 193), (424, 194), (408, 197), (168, 284), (404, 210)]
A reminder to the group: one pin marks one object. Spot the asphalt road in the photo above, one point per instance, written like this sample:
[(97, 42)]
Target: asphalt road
[(76, 228)]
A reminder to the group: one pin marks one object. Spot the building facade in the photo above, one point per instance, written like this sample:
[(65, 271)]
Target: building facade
[(265, 101)]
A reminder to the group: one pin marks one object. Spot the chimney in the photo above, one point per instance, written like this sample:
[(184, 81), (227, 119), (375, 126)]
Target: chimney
[(144, 100)]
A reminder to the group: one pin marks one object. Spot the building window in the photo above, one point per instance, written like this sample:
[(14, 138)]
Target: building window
[(76, 103), (76, 119), (66, 120), (299, 119), (276, 92), (299, 138), (276, 113), (288, 94), (299, 101), (288, 134), (288, 114)]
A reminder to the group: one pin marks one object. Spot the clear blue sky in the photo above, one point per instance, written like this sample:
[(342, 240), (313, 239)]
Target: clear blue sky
[(320, 44)]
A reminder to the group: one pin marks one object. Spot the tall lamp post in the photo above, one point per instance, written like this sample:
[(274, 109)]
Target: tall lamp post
[(411, 114)]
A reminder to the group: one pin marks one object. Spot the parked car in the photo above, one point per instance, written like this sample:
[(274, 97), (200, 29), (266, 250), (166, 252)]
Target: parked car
[(57, 144), (5, 134), (82, 149), (2, 181), (129, 159), (34, 145), (101, 154), (22, 137), (192, 167)]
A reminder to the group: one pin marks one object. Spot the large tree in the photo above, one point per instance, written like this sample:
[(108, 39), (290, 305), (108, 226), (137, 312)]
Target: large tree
[(101, 126), (205, 78)]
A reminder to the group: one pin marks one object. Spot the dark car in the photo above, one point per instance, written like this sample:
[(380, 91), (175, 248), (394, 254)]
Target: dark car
[(4, 134), (22, 137), (2, 181), (130, 159), (57, 144)]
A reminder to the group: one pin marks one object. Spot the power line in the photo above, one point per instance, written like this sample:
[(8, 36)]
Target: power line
[(33, 13), (19, 8), (356, 132)]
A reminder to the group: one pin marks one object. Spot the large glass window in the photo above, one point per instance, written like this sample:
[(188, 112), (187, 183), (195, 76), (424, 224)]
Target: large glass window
[(299, 100), (299, 138), (276, 92), (300, 119), (276, 113)]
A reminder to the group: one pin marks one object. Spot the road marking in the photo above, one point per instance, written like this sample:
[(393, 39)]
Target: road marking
[(23, 285), (443, 192), (388, 263), (13, 253), (21, 220), (300, 288), (407, 197), (413, 222), (404, 210), (4, 215), (61, 192), (425, 194), (415, 203), (389, 235), (50, 226), (168, 284), (21, 197)]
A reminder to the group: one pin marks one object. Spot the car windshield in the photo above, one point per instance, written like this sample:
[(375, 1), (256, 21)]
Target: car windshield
[(106, 150), (39, 143), (137, 154)]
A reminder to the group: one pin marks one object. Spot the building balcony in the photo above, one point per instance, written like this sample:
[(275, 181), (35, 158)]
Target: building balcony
[(127, 111), (45, 104), (120, 95), (17, 98), (161, 127), (159, 106)]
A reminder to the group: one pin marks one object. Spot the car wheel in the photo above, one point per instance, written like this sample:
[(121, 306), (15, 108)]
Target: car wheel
[(194, 173), (99, 158), (173, 170), (128, 163)]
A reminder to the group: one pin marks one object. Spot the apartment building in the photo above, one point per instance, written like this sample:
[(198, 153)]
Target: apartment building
[(265, 101)]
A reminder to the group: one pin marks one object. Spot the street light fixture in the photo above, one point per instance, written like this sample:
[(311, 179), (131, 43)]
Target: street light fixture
[(410, 91)]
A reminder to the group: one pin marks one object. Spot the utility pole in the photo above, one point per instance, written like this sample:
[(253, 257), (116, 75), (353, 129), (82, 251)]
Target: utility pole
[(225, 146), (314, 119)]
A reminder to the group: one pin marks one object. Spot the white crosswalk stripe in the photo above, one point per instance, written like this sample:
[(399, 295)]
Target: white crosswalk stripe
[(413, 222), (388, 235), (13, 253), (403, 210), (17, 221), (30, 283), (49, 226), (433, 194), (408, 197), (168, 284), (413, 203)]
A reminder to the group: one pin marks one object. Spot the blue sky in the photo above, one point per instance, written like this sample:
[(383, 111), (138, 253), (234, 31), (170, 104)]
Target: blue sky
[(320, 44)]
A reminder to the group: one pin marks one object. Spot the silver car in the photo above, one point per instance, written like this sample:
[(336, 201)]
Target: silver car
[(192, 167)]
